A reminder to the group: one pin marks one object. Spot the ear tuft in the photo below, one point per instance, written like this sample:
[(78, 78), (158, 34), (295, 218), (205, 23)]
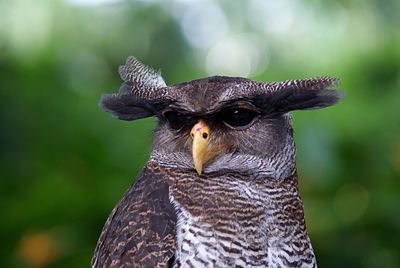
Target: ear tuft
[(140, 94), (317, 83), (138, 76), (300, 95)]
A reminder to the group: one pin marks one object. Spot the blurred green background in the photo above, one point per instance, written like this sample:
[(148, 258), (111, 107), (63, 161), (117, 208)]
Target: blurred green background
[(64, 163)]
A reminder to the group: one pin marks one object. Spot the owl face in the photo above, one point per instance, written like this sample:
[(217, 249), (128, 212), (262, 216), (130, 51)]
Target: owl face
[(219, 124), (209, 123)]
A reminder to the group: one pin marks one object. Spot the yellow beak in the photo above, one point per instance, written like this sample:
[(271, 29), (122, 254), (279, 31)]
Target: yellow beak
[(201, 149)]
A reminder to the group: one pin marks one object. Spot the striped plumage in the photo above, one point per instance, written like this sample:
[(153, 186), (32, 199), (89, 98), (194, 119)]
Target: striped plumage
[(220, 188), (229, 220)]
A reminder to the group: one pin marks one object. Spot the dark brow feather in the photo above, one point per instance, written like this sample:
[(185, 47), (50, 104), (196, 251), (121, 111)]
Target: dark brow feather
[(291, 99), (130, 107)]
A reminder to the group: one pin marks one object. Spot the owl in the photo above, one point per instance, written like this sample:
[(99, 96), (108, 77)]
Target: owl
[(220, 188)]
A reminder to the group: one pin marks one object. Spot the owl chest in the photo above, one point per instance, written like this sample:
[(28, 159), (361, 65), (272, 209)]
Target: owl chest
[(230, 222), (220, 226)]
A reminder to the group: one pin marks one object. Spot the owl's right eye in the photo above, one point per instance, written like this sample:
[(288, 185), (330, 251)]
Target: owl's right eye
[(175, 119), (238, 118)]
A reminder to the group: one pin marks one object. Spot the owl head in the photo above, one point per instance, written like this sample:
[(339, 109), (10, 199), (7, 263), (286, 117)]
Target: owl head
[(219, 124)]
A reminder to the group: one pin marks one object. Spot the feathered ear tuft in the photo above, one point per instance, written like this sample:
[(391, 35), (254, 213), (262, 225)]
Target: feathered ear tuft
[(139, 78), (129, 107), (140, 94), (299, 95)]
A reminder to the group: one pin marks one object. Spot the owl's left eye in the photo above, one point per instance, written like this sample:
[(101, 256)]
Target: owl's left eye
[(238, 117), (175, 119)]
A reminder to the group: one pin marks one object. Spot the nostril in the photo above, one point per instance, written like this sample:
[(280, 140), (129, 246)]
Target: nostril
[(205, 135)]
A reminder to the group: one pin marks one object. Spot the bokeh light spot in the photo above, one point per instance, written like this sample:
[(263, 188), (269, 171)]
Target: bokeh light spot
[(351, 202), (239, 55), (38, 249), (395, 157), (271, 16), (28, 26), (203, 24), (93, 2)]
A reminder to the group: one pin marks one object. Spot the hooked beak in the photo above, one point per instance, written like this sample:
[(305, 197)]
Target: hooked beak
[(201, 149)]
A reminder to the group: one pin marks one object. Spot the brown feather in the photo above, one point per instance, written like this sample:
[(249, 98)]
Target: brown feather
[(140, 231)]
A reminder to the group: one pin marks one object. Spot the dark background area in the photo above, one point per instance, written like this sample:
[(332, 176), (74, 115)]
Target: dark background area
[(64, 163)]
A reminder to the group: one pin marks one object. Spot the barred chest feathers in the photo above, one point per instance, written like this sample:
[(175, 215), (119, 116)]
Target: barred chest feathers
[(234, 221)]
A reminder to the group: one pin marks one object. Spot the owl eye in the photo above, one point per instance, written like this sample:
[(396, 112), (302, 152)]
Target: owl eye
[(238, 117), (175, 119)]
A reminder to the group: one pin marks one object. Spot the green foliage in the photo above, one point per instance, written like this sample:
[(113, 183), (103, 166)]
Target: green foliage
[(64, 163)]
